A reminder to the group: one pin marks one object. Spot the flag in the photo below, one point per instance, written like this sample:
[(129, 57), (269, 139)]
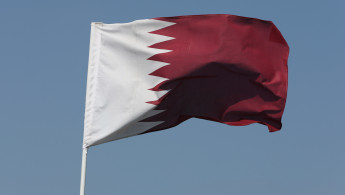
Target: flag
[(153, 74)]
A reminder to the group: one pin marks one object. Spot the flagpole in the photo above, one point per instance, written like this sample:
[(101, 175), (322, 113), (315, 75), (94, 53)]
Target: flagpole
[(83, 172)]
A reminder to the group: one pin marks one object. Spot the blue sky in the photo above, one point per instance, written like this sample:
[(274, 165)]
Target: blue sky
[(44, 54)]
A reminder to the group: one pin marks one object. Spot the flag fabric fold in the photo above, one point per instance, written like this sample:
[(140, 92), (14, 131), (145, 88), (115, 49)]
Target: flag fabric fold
[(153, 74)]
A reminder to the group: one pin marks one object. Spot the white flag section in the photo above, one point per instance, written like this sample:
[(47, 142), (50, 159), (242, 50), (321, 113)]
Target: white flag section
[(118, 80)]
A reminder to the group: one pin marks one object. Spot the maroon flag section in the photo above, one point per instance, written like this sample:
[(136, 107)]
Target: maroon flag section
[(223, 68)]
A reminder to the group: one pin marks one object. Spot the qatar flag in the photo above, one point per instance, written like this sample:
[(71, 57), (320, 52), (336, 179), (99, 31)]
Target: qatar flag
[(153, 74)]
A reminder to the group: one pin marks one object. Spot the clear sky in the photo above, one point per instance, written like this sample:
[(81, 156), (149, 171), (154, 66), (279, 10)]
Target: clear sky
[(43, 66)]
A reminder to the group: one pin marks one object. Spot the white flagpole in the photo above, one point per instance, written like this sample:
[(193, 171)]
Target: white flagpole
[(83, 172)]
